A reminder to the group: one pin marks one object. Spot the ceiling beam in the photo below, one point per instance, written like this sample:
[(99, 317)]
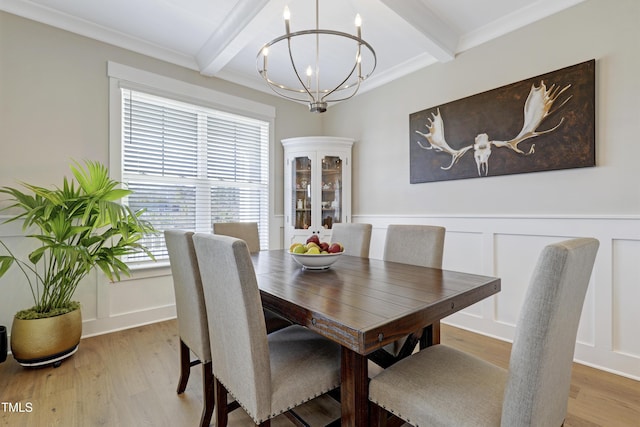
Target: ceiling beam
[(440, 39), (227, 40)]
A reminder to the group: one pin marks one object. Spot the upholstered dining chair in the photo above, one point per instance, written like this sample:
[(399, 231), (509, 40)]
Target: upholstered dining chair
[(356, 238), (441, 386), (193, 328), (266, 374), (421, 245), (248, 231)]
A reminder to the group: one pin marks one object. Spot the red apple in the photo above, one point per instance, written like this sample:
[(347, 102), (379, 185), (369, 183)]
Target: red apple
[(334, 248), (324, 246), (315, 239)]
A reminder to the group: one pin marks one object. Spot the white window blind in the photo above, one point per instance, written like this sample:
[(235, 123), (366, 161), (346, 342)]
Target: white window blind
[(190, 166)]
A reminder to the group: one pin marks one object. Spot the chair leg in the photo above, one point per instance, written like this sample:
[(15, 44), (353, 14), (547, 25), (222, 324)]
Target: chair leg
[(221, 402), (185, 367), (208, 394), (378, 416)]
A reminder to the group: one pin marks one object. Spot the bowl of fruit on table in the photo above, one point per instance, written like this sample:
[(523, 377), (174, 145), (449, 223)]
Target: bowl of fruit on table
[(314, 254)]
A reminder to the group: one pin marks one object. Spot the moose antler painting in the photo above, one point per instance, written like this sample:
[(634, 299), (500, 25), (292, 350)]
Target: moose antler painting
[(557, 115)]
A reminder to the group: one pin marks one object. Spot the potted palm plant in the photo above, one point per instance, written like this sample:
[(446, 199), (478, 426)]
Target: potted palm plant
[(77, 227)]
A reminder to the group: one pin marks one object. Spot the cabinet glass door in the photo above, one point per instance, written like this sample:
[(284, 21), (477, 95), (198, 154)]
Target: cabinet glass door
[(331, 187), (302, 168)]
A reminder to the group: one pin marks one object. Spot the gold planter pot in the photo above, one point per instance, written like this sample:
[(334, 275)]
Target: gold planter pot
[(38, 342)]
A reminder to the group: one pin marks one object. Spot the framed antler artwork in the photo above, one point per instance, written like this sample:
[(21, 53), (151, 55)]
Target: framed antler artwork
[(538, 124)]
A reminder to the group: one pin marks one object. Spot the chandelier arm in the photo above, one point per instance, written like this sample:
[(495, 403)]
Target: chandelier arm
[(300, 91), (284, 95), (283, 87), (295, 70), (277, 88), (343, 82), (327, 32), (308, 32), (291, 89), (264, 73), (356, 86)]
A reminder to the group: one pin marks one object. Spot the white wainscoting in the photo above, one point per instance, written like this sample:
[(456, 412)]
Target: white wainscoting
[(145, 297), (508, 247), (502, 246)]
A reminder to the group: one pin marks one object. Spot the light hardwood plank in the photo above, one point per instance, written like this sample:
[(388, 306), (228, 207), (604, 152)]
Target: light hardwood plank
[(128, 378), (596, 399)]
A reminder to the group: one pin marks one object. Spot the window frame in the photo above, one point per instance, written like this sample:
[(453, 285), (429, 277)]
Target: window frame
[(125, 77)]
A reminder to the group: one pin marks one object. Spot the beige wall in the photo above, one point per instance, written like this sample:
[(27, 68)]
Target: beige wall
[(379, 120), (53, 107), (54, 101), (498, 225)]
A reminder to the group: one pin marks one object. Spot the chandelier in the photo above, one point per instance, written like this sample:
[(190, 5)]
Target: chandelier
[(304, 74)]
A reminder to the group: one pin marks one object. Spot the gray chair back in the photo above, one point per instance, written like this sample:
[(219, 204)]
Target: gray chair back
[(240, 357), (539, 378), (247, 231), (187, 285), (421, 245), (356, 238)]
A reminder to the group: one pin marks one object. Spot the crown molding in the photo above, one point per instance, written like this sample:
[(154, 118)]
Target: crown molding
[(513, 21), (54, 18)]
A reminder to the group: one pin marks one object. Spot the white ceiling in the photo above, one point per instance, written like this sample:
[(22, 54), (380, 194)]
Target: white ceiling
[(222, 37)]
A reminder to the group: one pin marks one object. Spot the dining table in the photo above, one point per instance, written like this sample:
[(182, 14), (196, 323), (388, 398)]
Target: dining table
[(364, 304)]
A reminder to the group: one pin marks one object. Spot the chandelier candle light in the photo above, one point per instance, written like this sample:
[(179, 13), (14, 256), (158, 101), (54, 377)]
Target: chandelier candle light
[(303, 53)]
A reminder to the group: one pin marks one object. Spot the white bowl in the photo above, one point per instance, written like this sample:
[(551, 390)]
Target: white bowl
[(316, 262)]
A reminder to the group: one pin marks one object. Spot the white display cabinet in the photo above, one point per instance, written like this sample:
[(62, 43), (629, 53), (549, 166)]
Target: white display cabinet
[(317, 186)]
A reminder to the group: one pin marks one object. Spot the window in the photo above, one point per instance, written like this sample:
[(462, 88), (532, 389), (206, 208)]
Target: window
[(190, 165)]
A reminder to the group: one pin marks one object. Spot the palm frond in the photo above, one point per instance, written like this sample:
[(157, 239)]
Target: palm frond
[(81, 226)]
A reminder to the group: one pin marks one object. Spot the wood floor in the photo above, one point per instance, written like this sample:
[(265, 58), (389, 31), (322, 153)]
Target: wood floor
[(129, 378)]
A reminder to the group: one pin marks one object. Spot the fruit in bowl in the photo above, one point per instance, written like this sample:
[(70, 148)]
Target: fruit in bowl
[(314, 246), (314, 254), (335, 248)]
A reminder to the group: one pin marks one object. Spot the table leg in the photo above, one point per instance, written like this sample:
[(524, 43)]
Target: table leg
[(430, 335), (354, 390)]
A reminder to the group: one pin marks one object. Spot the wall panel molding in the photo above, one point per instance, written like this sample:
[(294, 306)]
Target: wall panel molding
[(507, 246), (500, 245)]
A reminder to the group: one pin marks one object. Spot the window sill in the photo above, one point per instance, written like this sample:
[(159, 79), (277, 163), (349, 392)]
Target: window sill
[(148, 270)]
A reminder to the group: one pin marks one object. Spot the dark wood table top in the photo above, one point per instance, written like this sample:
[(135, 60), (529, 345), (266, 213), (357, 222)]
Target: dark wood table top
[(363, 303)]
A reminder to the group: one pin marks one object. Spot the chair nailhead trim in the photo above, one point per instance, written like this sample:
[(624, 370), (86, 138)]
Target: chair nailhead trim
[(273, 415), (399, 415)]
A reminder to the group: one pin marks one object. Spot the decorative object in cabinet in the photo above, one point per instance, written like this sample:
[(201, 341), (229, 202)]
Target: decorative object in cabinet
[(317, 186)]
